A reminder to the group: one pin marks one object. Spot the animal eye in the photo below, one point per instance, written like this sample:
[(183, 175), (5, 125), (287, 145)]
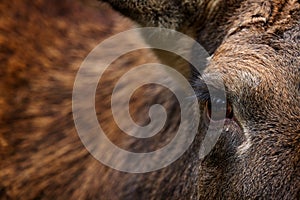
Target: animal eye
[(219, 109)]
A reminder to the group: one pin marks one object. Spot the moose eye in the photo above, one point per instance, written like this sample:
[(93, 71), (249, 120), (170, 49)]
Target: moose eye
[(222, 109), (216, 107)]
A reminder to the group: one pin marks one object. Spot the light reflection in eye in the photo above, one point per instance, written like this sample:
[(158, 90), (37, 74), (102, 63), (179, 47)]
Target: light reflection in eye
[(219, 110)]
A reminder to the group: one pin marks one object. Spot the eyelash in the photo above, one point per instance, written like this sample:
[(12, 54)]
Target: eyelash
[(205, 98), (219, 114)]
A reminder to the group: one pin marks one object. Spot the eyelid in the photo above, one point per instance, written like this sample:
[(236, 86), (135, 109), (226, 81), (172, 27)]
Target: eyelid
[(218, 100), (200, 86)]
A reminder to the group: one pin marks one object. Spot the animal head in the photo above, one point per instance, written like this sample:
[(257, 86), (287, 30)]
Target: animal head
[(254, 49)]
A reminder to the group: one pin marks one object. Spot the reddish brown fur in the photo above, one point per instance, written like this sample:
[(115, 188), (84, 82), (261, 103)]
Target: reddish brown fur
[(42, 46)]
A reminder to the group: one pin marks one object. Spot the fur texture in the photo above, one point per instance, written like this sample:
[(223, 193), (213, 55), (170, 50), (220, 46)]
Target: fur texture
[(255, 46)]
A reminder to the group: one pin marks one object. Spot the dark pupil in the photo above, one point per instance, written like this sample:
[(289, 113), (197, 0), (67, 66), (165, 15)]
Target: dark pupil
[(219, 110)]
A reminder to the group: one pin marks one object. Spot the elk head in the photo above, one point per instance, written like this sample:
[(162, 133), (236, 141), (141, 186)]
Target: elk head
[(254, 47)]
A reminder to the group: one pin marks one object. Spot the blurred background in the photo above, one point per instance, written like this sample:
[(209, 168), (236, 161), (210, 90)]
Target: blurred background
[(42, 45)]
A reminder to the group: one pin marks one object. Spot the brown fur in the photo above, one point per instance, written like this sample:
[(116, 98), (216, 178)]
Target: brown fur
[(255, 46)]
